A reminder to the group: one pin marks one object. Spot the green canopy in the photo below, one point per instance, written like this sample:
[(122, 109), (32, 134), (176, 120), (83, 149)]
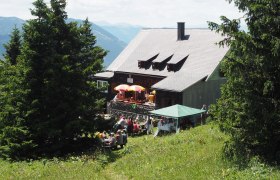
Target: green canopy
[(177, 111)]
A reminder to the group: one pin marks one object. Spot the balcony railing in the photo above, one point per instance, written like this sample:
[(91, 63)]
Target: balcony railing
[(120, 107)]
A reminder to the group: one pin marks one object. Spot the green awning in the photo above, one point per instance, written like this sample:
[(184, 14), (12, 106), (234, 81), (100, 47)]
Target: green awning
[(177, 111)]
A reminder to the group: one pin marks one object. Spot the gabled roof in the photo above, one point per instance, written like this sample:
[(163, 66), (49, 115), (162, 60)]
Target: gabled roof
[(203, 56)]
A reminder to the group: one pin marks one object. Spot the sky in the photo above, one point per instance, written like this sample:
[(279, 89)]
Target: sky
[(146, 13)]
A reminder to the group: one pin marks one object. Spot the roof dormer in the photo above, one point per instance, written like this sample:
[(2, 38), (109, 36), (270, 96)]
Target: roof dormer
[(146, 64), (160, 65), (176, 66)]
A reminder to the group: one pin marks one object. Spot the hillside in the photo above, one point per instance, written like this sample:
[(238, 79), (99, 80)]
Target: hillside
[(125, 32), (104, 39), (192, 154), (8, 23)]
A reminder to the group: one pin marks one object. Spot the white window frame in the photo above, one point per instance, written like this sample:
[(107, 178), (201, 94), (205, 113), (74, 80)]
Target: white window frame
[(102, 84)]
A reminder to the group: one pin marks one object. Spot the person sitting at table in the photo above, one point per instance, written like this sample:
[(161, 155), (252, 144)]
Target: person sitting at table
[(148, 125), (132, 99), (159, 123), (119, 137), (141, 96), (120, 124), (111, 140), (102, 135), (129, 125), (136, 127), (151, 98)]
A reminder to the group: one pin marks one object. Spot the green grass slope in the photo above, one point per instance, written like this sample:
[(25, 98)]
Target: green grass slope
[(192, 154)]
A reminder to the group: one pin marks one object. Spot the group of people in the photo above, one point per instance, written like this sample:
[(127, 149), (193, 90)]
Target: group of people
[(112, 140), (124, 126), (132, 126)]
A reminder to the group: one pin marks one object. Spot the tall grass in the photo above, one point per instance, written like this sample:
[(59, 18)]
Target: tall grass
[(192, 154)]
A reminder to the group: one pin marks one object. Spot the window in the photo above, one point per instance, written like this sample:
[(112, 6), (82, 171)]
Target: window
[(103, 85)]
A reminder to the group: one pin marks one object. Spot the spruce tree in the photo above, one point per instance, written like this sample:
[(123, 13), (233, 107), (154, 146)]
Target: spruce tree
[(249, 108), (37, 54), (15, 137), (13, 47), (64, 58), (91, 61), (59, 99)]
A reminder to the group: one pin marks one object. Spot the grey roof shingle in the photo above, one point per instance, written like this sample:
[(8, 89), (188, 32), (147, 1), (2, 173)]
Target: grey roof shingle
[(203, 56)]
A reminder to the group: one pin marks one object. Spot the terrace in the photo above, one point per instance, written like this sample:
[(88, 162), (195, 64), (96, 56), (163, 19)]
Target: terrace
[(131, 100)]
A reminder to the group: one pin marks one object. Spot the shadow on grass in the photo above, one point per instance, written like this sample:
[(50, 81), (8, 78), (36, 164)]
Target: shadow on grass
[(237, 157), (80, 150), (106, 156)]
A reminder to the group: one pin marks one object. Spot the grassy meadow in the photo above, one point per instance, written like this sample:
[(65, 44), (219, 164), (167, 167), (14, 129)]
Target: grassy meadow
[(191, 154)]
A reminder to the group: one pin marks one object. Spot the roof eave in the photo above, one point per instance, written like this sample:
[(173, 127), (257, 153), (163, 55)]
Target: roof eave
[(139, 74), (168, 90)]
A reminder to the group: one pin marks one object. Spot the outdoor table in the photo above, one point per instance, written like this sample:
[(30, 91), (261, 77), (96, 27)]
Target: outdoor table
[(166, 127)]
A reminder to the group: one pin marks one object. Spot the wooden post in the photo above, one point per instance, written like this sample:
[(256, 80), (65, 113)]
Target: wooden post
[(177, 126)]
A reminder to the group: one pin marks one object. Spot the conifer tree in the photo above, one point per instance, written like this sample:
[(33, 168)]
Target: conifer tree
[(15, 136), (15, 139), (13, 47), (65, 57), (57, 62), (91, 61), (249, 109)]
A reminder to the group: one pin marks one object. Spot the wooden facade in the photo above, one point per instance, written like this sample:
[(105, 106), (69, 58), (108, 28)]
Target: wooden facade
[(167, 98), (203, 92), (134, 79)]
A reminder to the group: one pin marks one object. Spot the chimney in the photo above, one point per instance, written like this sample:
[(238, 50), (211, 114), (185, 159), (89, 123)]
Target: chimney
[(181, 31)]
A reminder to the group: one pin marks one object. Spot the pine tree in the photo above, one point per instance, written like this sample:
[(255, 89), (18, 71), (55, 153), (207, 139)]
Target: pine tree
[(249, 109)]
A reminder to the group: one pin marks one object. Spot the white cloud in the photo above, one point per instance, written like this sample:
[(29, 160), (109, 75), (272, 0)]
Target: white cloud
[(149, 13), (16, 8)]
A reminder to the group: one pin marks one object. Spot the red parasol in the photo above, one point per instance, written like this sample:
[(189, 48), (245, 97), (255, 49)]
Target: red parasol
[(122, 87)]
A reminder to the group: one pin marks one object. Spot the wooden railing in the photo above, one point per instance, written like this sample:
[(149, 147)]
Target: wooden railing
[(119, 107)]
